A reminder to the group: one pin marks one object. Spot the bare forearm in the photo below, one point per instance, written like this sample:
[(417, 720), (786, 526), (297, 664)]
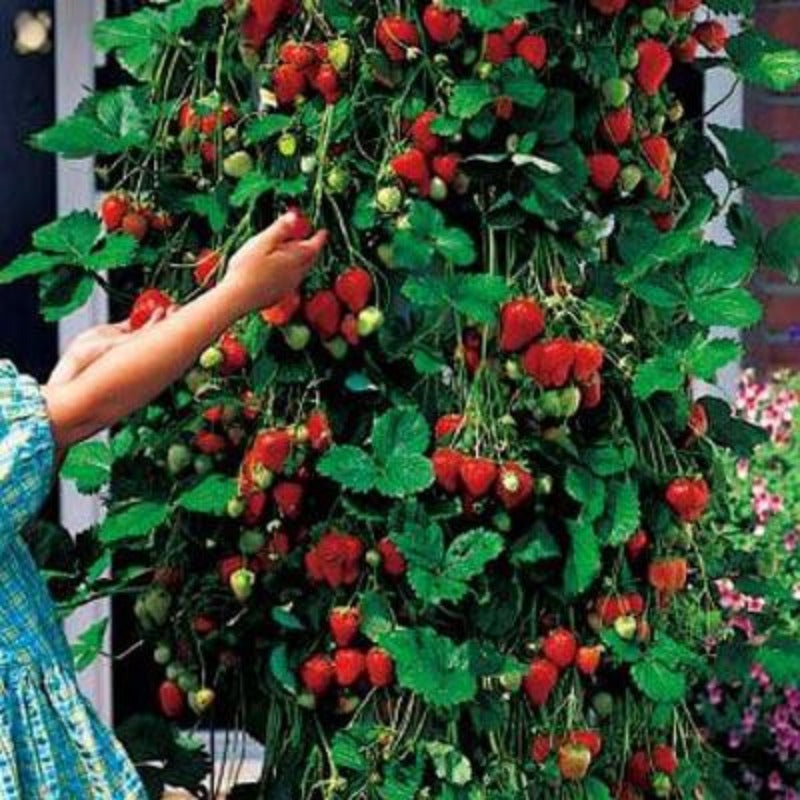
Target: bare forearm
[(130, 375)]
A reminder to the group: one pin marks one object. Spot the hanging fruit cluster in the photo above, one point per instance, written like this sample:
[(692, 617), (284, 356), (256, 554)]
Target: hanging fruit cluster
[(434, 524)]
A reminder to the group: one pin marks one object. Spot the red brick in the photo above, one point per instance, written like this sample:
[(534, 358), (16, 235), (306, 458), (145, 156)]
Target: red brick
[(778, 120), (782, 20), (781, 312)]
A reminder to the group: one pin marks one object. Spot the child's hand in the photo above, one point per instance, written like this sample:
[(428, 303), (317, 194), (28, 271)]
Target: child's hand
[(272, 264)]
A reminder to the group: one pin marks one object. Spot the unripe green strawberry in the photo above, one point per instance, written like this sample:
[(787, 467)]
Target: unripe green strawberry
[(337, 179), (211, 358), (616, 92), (569, 401), (337, 347), (438, 189), (603, 704), (548, 404), (236, 507), (630, 178), (251, 541), (513, 370), (203, 464), (242, 582), (544, 484), (389, 199), (202, 700), (385, 254), (173, 671), (373, 559), (157, 602), (653, 19), (262, 477), (308, 164), (676, 111), (162, 654), (297, 336), (625, 627), (502, 521), (179, 457), (188, 681), (511, 681), (483, 70), (307, 700), (629, 58), (339, 54), (369, 320), (661, 784), (237, 164), (196, 379), (657, 123), (287, 144)]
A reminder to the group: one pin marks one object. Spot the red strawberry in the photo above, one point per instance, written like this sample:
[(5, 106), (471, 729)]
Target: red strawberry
[(323, 313), (443, 25), (540, 680), (301, 227), (317, 674), (521, 321), (616, 126), (503, 107), (533, 50), (549, 363), (281, 313), (664, 222), (592, 740), (354, 288), (209, 443), (271, 448), (447, 468), (698, 420), (344, 623), (395, 35), (208, 151), (348, 665), (411, 167), (326, 82), (664, 759), (171, 700), (574, 761), (227, 566), (113, 210), (684, 7), (234, 354), (667, 575), (288, 497), (637, 545), (146, 304), (446, 166), (638, 770), (713, 35), (448, 425), (608, 7), (288, 83), (688, 498), (349, 330), (421, 135), (604, 169), (392, 561), (135, 224), (477, 475), (255, 507), (380, 668), (514, 29), (187, 117), (300, 55), (592, 392), (587, 659), (655, 63), (588, 360), (206, 265), (541, 747), (319, 431), (514, 485), (496, 48), (685, 51), (560, 647), (658, 153)]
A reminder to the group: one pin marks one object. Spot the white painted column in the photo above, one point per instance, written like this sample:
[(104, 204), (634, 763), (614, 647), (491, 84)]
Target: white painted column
[(75, 61)]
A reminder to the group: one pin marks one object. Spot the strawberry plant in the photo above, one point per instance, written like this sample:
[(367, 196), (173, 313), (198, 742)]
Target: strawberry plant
[(436, 524)]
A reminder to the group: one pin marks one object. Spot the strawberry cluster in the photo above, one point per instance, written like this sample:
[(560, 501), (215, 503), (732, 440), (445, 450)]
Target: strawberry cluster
[(574, 751), (305, 66), (651, 771), (120, 212), (198, 124)]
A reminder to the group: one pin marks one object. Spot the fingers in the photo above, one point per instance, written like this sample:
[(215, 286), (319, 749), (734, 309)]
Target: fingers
[(275, 235)]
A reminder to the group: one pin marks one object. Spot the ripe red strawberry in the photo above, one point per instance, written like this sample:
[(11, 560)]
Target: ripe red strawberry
[(411, 167), (113, 210), (604, 169), (592, 740), (712, 34), (442, 25), (683, 7), (655, 63), (448, 424), (301, 227), (326, 82), (288, 497), (503, 107), (514, 29), (209, 443), (664, 759), (447, 468), (234, 354), (300, 55), (685, 51), (611, 608), (608, 7), (514, 485), (146, 304), (616, 126), (477, 475), (317, 674), (171, 699), (592, 392), (349, 665), (203, 625), (532, 49), (637, 545), (588, 360), (637, 771), (424, 139), (227, 566), (392, 561), (354, 288), (282, 312), (135, 224), (206, 266), (574, 761), (288, 83), (395, 35), (688, 498), (521, 321), (380, 668), (187, 117), (446, 166), (271, 448), (344, 623), (658, 153), (323, 313), (560, 647), (664, 222), (208, 151), (549, 363), (698, 420), (540, 680), (255, 506), (319, 431), (541, 747), (496, 49), (349, 330), (587, 659), (667, 575)]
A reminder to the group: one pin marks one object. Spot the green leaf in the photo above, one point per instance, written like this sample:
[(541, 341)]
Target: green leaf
[(117, 250), (449, 764), (263, 128), (28, 264), (431, 665), (730, 431), (400, 430), (88, 464), (469, 97), (495, 14), (734, 307), (588, 490), (624, 511), (72, 236), (583, 559), (747, 151), (62, 292), (660, 682), (520, 85), (610, 457), (133, 521), (705, 357), (210, 495), (89, 644), (537, 545), (455, 244), (349, 466), (781, 250), (775, 181), (660, 289), (765, 61), (280, 668), (470, 552), (660, 373), (376, 615), (404, 474), (718, 267)]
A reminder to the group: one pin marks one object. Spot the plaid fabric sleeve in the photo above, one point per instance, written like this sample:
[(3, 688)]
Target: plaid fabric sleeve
[(26, 451)]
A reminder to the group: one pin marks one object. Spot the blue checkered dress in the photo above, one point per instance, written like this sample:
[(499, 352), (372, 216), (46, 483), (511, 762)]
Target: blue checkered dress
[(52, 744)]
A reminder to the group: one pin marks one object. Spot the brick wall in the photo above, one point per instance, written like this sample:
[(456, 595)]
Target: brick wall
[(777, 116)]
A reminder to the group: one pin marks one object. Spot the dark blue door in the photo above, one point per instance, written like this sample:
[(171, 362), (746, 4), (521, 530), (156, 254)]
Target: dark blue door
[(27, 187)]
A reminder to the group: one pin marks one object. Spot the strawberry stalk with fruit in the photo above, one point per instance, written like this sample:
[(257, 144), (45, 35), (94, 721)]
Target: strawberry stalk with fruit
[(434, 525)]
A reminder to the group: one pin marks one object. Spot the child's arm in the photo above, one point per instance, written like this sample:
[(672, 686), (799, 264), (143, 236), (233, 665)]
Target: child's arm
[(131, 374)]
